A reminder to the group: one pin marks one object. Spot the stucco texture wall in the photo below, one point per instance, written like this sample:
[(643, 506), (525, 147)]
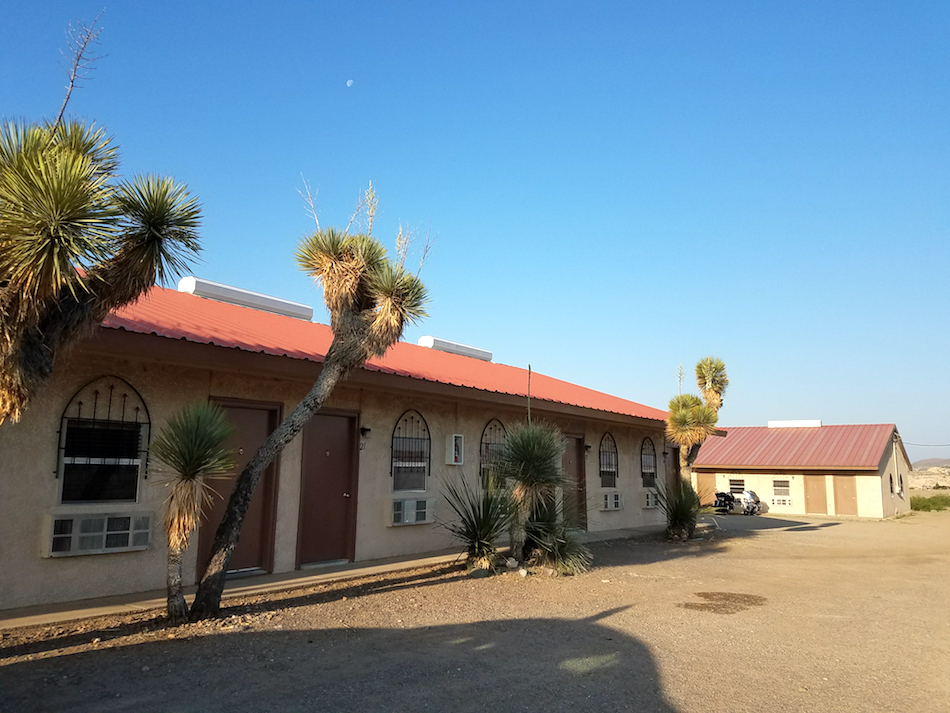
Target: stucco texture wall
[(29, 489)]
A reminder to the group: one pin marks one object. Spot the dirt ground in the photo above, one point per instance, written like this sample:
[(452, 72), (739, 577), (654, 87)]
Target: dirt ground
[(770, 614)]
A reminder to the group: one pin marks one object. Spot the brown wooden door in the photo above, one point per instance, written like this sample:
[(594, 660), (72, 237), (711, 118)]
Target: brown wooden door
[(706, 488), (846, 495), (816, 502), (575, 496), (254, 551), (328, 490)]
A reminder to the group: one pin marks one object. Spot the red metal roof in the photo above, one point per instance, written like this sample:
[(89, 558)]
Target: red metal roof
[(858, 447), (179, 315)]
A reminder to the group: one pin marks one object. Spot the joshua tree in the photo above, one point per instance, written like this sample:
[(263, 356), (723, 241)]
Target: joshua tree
[(370, 299), (711, 379), (689, 423), (192, 445), (75, 243)]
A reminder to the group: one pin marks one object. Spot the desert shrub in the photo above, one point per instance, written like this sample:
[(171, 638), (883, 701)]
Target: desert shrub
[(484, 515), (680, 503), (551, 543), (927, 504)]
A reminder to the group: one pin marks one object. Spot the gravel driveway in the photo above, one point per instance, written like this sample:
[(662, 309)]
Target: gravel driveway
[(768, 615)]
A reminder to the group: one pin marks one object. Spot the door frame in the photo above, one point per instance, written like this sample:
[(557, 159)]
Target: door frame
[(581, 490), (269, 535), (351, 514)]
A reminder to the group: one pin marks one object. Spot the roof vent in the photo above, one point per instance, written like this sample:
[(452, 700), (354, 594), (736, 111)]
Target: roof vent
[(245, 298), (444, 345), (795, 424)]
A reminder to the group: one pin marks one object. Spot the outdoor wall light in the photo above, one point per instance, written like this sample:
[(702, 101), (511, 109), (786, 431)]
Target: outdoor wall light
[(364, 430), (587, 446)]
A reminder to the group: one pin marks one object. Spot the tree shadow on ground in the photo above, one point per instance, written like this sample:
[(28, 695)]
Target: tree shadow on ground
[(523, 664)]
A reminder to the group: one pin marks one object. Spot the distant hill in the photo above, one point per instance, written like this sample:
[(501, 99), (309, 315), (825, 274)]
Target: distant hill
[(932, 463)]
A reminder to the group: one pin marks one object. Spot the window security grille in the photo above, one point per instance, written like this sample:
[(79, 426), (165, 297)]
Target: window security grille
[(493, 440), (648, 464), (97, 534), (608, 462), (410, 453), (612, 501), (103, 443), (736, 486), (412, 512), (781, 488)]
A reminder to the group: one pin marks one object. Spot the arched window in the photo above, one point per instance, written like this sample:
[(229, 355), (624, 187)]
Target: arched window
[(892, 483), (648, 463), (103, 443), (900, 484), (493, 440), (410, 453), (608, 462)]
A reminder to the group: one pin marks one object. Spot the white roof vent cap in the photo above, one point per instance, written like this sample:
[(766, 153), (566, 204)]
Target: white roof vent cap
[(815, 423), (245, 298), (444, 345)]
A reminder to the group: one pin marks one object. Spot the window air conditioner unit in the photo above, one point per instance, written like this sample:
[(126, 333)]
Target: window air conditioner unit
[(411, 512), (96, 534)]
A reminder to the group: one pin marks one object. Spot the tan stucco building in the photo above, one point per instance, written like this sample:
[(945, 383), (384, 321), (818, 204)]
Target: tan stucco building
[(805, 468), (81, 500)]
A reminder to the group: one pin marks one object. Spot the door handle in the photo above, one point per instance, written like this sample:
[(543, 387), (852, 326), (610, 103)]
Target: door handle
[(346, 495)]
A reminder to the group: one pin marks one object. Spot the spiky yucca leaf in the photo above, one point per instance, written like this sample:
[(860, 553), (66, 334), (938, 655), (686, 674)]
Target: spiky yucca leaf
[(159, 228), (400, 299), (329, 257), (712, 380), (689, 422), (483, 517), (553, 544), (681, 505), (56, 213), (192, 445)]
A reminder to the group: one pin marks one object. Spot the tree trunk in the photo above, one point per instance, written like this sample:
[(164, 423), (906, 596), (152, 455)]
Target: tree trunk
[(177, 608), (207, 602)]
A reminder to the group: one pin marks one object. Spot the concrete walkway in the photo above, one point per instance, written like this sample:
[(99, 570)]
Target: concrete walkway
[(257, 584)]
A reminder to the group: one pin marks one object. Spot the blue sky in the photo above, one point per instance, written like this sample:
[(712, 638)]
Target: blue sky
[(612, 190)]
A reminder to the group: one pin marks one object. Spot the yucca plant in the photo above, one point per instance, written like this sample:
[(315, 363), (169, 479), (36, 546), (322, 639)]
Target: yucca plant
[(371, 298), (483, 517), (192, 445), (75, 243), (552, 543), (688, 424), (681, 505), (530, 465)]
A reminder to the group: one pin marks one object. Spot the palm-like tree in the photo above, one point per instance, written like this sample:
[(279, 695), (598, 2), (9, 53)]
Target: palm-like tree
[(75, 243), (192, 445), (689, 423), (711, 379), (370, 299)]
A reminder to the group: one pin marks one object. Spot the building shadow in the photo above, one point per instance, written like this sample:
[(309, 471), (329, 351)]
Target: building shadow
[(507, 665)]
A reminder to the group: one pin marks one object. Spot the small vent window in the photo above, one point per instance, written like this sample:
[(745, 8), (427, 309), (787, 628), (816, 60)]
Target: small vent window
[(493, 441), (608, 462), (648, 463), (736, 486), (103, 443), (780, 488), (410, 453)]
